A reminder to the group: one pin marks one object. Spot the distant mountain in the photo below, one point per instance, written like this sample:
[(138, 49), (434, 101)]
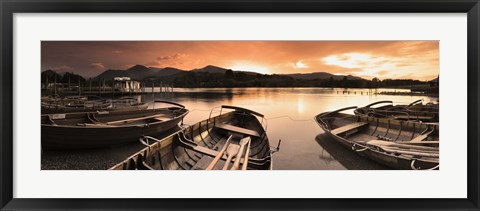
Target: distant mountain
[(211, 69), (155, 69), (321, 75), (110, 74), (168, 71), (138, 72)]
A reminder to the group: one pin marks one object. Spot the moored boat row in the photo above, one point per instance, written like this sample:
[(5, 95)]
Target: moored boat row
[(107, 128), (72, 104), (380, 135), (398, 136)]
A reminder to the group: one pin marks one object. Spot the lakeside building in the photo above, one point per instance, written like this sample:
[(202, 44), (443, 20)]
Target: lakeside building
[(126, 84)]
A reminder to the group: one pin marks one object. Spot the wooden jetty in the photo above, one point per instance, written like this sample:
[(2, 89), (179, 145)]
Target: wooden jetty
[(102, 89)]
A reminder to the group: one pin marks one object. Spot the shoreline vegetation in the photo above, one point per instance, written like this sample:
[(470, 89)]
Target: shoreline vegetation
[(216, 77)]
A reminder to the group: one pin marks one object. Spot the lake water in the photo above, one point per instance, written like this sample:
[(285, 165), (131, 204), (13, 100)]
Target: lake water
[(290, 112)]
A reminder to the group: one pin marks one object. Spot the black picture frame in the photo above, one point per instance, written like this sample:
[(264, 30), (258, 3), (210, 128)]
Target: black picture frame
[(10, 7)]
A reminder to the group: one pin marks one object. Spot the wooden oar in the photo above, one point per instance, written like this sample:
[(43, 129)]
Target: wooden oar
[(423, 154), (415, 153), (220, 154), (134, 119), (436, 143), (231, 151), (247, 155), (238, 157), (406, 146)]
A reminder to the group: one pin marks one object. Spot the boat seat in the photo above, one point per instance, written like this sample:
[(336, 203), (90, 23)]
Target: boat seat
[(204, 150), (236, 129), (161, 118), (202, 163), (348, 128)]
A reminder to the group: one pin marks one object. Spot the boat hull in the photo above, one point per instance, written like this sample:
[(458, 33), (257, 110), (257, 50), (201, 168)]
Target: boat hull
[(394, 162), (78, 137)]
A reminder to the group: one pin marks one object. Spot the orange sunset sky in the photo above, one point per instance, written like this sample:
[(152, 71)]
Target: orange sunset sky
[(367, 59)]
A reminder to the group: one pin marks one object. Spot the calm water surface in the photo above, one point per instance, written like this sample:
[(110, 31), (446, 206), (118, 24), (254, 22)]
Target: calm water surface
[(290, 112)]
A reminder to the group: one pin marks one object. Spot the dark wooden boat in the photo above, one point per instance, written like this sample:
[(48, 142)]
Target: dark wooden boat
[(71, 106), (415, 111), (107, 128), (128, 103), (397, 144), (232, 140)]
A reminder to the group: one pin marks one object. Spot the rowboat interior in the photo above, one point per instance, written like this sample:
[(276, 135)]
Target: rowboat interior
[(401, 139), (90, 103), (111, 119), (232, 140), (415, 111)]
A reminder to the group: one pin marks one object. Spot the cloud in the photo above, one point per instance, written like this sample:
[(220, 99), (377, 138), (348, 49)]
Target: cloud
[(171, 57), (382, 72), (374, 65), (299, 65), (97, 66), (174, 60)]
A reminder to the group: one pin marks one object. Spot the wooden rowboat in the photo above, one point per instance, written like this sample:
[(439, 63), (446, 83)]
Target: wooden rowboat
[(397, 144), (415, 111), (68, 105), (230, 141), (108, 128), (128, 103)]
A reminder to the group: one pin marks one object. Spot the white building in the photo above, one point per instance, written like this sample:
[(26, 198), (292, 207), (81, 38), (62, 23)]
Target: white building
[(126, 84)]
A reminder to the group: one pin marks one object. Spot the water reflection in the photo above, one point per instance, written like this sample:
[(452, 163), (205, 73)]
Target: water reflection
[(290, 113), (332, 150)]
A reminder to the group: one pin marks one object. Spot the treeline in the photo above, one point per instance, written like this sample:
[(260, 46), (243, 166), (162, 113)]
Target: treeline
[(240, 79), (50, 76), (231, 79)]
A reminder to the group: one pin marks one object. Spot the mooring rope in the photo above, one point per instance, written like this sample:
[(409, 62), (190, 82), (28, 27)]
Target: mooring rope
[(205, 110), (287, 116)]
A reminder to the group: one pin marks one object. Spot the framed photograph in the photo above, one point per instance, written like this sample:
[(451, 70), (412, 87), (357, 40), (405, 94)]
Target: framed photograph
[(239, 105)]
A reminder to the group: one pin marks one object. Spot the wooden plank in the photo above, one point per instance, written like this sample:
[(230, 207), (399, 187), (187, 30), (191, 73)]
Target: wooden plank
[(413, 117), (240, 130), (135, 119), (413, 150), (348, 127), (420, 138), (433, 143), (401, 145), (204, 150), (202, 163)]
